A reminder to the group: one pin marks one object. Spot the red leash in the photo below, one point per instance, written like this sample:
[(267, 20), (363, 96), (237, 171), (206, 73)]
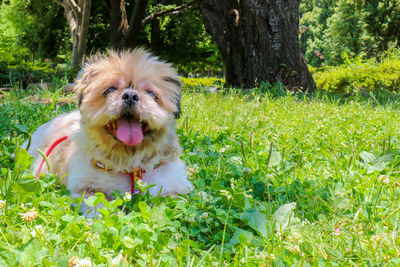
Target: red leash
[(137, 174), (49, 151)]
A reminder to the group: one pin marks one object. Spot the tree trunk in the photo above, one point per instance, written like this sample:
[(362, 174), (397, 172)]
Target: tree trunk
[(155, 40), (78, 15), (259, 41), (118, 24), (135, 23)]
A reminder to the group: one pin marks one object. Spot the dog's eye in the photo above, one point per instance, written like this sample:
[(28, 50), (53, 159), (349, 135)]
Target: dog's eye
[(109, 90), (153, 95)]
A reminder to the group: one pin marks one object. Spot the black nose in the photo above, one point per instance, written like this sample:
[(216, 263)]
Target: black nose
[(130, 98)]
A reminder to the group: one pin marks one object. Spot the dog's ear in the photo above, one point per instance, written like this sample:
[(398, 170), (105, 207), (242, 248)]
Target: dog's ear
[(175, 81), (178, 113), (83, 78), (86, 74), (80, 98)]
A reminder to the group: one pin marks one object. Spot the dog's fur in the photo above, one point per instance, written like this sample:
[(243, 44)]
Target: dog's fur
[(135, 72)]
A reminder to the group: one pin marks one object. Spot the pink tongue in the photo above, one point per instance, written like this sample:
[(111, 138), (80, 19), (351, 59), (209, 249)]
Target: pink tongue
[(129, 132)]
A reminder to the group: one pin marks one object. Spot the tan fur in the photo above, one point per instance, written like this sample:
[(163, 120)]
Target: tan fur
[(89, 138)]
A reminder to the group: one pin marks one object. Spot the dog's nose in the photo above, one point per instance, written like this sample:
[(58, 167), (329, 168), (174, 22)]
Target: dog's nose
[(130, 98)]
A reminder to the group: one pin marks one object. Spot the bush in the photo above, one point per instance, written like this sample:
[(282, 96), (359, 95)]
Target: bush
[(356, 76), (201, 84)]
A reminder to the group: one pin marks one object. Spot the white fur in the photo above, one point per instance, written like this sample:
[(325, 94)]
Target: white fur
[(89, 137), (169, 178)]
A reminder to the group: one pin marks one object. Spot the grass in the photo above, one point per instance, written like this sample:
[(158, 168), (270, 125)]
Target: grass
[(289, 180)]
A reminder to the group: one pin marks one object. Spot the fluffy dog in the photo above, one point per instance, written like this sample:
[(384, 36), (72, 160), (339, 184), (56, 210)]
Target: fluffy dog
[(128, 102)]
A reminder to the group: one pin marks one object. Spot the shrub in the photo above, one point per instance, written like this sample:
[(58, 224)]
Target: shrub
[(201, 84), (353, 77)]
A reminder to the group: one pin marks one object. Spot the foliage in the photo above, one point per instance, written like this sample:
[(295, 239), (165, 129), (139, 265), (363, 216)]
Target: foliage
[(344, 31), (314, 15), (292, 180), (382, 21), (40, 27), (37, 30), (202, 84), (359, 76), (17, 59), (352, 27)]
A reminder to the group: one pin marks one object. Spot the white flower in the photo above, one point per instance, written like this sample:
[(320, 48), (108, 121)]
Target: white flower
[(190, 219), (246, 170), (205, 196), (73, 261), (127, 197), (226, 193), (384, 179), (118, 260), (2, 204), (204, 215), (39, 229), (30, 215), (84, 263), (91, 236)]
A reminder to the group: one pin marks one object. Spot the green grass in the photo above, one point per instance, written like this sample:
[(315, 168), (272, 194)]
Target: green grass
[(289, 180)]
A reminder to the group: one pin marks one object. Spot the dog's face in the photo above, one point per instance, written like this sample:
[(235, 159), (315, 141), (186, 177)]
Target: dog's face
[(128, 100)]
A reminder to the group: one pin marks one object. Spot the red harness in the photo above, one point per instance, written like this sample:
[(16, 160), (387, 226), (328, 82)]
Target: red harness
[(135, 175)]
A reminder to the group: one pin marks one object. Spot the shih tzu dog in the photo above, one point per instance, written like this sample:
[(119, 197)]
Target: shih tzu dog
[(123, 130)]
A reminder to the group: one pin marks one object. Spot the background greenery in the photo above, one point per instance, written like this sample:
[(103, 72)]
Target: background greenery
[(281, 178)]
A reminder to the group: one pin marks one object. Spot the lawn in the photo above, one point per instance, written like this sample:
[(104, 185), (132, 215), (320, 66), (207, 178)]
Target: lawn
[(280, 180)]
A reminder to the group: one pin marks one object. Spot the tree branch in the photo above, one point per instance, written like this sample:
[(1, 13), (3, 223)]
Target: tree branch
[(75, 8), (172, 11), (59, 2)]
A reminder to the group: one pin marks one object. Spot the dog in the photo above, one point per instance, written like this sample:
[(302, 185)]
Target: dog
[(124, 129)]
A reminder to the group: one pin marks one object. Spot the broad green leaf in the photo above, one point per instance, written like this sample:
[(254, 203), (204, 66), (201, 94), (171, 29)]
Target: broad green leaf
[(367, 157), (101, 198), (284, 216), (255, 220), (116, 203), (30, 185), (275, 159), (128, 242), (22, 160), (158, 216), (98, 227), (90, 201), (33, 253), (144, 210), (67, 218), (241, 236)]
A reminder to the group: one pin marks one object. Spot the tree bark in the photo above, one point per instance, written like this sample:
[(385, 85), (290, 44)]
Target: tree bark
[(155, 41), (135, 22), (118, 24), (259, 41), (78, 15)]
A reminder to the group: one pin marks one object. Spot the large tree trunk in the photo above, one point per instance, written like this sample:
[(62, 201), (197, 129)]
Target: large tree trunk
[(259, 41)]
